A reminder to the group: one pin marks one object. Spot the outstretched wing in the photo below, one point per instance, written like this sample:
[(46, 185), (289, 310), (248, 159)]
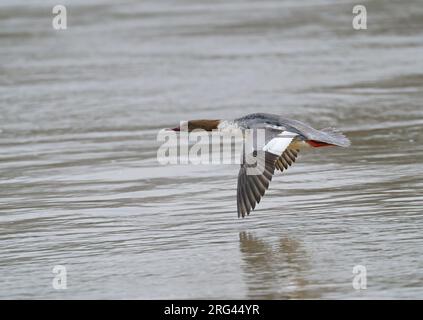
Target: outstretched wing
[(287, 158), (254, 177), (258, 167)]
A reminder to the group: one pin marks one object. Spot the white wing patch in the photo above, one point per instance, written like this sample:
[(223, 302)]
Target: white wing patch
[(279, 143)]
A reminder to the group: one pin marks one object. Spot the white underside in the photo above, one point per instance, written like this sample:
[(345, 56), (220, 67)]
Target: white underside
[(279, 143)]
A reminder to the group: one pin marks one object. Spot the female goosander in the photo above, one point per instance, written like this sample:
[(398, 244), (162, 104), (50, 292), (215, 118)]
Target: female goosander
[(283, 140)]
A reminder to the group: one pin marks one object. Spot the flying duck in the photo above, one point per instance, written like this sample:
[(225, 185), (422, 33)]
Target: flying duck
[(283, 139)]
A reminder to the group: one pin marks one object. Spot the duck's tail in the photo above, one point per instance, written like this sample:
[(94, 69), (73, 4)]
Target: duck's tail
[(330, 137)]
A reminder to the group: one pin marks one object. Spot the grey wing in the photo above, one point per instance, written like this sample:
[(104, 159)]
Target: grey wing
[(254, 178), (287, 158), (258, 167)]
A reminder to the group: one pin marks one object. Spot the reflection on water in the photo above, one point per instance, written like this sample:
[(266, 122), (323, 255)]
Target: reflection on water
[(275, 272), (80, 184)]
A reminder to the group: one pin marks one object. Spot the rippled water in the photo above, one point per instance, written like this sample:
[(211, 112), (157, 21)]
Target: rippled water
[(81, 187)]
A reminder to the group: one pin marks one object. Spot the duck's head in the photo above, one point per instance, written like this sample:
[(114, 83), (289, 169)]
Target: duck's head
[(207, 125)]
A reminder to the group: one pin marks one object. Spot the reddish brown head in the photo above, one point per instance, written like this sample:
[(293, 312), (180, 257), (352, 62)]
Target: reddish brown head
[(207, 125)]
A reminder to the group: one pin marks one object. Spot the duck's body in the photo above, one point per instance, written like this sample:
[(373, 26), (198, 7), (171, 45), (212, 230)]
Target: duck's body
[(274, 122), (283, 140)]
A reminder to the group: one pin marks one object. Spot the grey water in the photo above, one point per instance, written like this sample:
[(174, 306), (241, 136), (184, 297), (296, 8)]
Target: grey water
[(81, 187)]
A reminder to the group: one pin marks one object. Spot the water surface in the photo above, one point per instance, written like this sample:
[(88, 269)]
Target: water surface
[(80, 184)]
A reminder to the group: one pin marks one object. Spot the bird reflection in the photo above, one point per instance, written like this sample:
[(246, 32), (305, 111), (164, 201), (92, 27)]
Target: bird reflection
[(276, 271)]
